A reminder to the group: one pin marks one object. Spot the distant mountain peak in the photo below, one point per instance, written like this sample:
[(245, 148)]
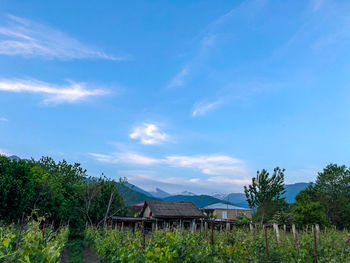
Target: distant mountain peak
[(218, 195), (187, 193), (159, 193)]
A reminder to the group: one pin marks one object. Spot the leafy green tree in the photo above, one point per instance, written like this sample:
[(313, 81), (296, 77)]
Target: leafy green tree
[(332, 188), (242, 220), (265, 191), (59, 188), (307, 210), (17, 188)]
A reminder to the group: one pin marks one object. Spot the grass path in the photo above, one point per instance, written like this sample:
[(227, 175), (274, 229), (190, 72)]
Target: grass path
[(89, 256), (77, 252)]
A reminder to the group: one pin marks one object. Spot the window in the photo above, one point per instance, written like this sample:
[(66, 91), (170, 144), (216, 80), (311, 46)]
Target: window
[(224, 214)]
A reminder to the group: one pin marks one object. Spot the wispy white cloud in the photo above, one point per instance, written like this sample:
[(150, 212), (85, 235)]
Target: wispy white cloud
[(201, 108), (30, 39), (70, 93), (148, 133), (207, 164), (149, 180), (126, 157), (3, 119), (179, 79)]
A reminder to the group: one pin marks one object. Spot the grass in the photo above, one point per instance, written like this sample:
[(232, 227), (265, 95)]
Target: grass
[(76, 247)]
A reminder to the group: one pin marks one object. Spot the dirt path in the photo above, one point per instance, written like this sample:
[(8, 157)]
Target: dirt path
[(89, 256), (65, 256)]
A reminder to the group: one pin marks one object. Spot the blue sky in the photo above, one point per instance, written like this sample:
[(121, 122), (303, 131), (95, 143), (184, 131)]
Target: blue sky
[(181, 95)]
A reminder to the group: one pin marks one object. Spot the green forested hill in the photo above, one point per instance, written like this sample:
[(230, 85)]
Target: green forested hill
[(132, 196)]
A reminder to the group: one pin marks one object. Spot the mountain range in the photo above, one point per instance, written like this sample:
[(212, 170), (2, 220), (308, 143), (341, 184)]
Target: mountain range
[(133, 194)]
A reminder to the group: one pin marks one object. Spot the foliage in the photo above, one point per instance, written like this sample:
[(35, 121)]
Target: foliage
[(242, 220), (76, 251), (266, 192), (102, 200), (17, 188), (238, 246), (283, 218), (333, 190), (327, 201), (59, 191), (308, 212), (33, 243)]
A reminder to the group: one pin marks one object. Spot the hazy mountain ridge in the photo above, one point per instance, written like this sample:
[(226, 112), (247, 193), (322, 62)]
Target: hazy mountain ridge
[(159, 193), (238, 199), (199, 200)]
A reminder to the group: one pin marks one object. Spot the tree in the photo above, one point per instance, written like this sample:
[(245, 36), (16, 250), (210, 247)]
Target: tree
[(333, 192), (308, 211), (328, 200), (59, 188), (265, 191), (17, 188), (101, 200)]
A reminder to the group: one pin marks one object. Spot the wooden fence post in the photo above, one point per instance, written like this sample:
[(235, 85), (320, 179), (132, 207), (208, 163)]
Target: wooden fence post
[(266, 245), (212, 233), (295, 237), (318, 232), (252, 230), (277, 233), (294, 231), (315, 244), (143, 236), (206, 229), (228, 227)]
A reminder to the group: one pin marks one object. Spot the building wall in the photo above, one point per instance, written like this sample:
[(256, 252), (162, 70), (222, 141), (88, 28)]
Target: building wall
[(147, 212), (231, 213)]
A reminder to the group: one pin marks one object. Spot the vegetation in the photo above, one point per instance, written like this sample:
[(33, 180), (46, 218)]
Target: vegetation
[(265, 193), (327, 201), (238, 246), (35, 244), (37, 198), (59, 192)]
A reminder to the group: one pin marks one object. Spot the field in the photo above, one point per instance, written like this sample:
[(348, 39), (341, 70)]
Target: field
[(33, 242), (37, 243), (239, 245)]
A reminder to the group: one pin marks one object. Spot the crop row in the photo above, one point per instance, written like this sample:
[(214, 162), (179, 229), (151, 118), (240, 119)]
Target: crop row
[(239, 245), (31, 243)]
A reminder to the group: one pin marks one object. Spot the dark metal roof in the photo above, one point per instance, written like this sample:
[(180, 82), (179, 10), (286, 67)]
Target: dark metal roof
[(164, 209), (130, 219)]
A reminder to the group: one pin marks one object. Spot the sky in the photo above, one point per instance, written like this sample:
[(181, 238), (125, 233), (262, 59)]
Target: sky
[(180, 95)]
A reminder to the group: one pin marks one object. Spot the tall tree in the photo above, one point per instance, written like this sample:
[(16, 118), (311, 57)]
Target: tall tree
[(265, 191), (307, 210), (332, 192)]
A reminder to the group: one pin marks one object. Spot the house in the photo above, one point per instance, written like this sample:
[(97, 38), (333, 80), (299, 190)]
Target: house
[(226, 212), (167, 214), (136, 208)]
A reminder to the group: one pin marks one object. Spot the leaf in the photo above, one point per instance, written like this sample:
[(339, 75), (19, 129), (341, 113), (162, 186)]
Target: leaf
[(6, 242)]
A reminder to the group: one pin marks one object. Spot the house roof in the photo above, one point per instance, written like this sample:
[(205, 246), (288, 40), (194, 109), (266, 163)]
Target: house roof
[(164, 209), (139, 205), (225, 206)]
